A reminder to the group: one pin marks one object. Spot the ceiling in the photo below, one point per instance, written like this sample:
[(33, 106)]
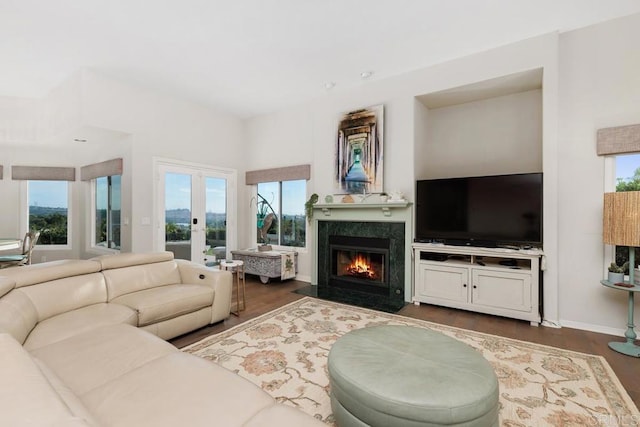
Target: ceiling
[(251, 57)]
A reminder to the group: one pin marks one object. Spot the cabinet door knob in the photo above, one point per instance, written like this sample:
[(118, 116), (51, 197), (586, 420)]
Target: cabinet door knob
[(475, 287), (464, 285)]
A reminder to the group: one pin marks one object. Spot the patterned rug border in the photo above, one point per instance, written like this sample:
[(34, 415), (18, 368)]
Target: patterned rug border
[(598, 363)]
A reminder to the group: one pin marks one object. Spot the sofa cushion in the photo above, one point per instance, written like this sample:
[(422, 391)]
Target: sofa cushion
[(72, 401), (99, 356), (26, 396), (18, 315), (6, 285), (63, 295), (178, 389), (78, 321), (44, 272), (110, 262), (125, 280), (166, 302)]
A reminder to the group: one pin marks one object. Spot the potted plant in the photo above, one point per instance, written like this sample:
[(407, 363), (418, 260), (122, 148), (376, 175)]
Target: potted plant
[(616, 272), (308, 206)]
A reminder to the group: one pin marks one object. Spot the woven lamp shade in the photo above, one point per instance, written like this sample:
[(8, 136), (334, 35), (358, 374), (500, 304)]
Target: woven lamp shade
[(621, 218)]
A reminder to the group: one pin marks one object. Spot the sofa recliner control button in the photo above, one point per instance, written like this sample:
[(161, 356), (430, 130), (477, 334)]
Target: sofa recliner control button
[(201, 276)]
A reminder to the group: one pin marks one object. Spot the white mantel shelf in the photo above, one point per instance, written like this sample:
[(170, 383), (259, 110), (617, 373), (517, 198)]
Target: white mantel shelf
[(386, 208)]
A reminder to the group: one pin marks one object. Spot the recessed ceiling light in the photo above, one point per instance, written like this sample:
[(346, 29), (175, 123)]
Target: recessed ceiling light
[(329, 85), (366, 74)]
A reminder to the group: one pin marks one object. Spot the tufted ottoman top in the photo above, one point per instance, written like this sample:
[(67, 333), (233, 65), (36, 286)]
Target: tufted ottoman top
[(402, 375)]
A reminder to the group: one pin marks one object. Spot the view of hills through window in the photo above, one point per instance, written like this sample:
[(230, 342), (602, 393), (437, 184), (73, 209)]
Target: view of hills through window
[(48, 211)]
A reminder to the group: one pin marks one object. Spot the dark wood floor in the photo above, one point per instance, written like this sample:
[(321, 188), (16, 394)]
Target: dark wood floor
[(264, 298)]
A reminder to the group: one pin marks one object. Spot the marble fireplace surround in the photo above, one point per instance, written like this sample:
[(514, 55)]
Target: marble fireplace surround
[(364, 217)]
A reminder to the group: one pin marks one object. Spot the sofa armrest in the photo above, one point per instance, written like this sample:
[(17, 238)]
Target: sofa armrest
[(220, 281)]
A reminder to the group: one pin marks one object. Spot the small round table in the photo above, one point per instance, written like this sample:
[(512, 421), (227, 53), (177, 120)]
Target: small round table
[(236, 267), (628, 347)]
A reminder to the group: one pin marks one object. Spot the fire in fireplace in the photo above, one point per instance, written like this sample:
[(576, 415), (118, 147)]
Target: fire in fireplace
[(359, 265)]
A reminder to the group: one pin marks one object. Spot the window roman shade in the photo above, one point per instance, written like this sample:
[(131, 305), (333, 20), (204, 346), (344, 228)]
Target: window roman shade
[(288, 173), (97, 170), (43, 173), (618, 140)]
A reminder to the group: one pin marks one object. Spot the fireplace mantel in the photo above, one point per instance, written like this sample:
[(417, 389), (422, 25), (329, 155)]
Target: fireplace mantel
[(399, 212), (386, 208)]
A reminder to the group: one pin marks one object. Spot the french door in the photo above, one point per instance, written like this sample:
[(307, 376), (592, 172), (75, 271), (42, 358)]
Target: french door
[(196, 211)]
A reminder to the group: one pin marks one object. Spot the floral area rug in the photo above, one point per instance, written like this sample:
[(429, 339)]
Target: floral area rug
[(285, 352)]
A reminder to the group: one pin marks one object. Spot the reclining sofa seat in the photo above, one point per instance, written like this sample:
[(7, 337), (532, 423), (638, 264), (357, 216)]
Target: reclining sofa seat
[(171, 297)]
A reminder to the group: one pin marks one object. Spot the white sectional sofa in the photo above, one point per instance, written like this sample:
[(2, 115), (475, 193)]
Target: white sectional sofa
[(82, 343)]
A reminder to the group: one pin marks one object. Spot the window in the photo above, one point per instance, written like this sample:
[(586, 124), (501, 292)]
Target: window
[(48, 211), (627, 179), (285, 201), (106, 209)]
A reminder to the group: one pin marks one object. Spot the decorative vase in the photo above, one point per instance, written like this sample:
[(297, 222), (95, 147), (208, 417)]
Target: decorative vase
[(615, 277)]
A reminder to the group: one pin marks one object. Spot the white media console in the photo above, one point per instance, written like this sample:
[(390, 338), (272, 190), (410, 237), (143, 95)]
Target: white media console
[(503, 282)]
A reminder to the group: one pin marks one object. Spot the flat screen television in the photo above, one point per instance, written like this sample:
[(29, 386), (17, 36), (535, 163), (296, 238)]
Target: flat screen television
[(500, 210)]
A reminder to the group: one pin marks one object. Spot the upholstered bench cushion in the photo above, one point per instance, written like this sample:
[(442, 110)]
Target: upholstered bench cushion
[(166, 302), (78, 321), (407, 376)]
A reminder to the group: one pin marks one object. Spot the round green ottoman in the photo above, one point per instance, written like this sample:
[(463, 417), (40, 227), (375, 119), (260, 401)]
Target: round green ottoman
[(406, 376)]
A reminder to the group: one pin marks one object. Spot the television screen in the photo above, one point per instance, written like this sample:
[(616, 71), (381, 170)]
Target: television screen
[(483, 211)]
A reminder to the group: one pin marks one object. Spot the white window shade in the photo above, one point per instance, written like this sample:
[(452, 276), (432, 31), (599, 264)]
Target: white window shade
[(107, 168), (43, 173)]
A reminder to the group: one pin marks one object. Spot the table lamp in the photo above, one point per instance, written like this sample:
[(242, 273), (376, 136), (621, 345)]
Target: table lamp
[(621, 227)]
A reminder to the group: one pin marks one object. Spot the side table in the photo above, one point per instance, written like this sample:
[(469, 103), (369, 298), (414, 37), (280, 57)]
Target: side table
[(237, 268), (628, 347)]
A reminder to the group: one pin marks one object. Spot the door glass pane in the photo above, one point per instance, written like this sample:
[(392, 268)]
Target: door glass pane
[(48, 211), (177, 213), (268, 212), (292, 224), (216, 218)]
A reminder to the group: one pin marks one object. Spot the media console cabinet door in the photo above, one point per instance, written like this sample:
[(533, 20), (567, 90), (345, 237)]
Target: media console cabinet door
[(503, 289), (443, 282)]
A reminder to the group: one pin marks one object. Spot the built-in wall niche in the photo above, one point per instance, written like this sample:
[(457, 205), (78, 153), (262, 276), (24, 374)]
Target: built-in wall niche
[(491, 127)]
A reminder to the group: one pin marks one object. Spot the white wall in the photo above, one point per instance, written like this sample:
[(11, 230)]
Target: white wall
[(161, 126), (494, 136), (599, 87)]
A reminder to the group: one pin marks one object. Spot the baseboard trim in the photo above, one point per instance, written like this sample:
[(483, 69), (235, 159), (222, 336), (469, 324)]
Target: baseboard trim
[(593, 328)]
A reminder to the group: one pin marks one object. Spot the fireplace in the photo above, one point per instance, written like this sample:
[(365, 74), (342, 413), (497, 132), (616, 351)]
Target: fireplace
[(362, 263)]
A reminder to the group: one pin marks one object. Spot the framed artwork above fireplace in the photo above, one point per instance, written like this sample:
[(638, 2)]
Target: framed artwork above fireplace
[(359, 152)]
